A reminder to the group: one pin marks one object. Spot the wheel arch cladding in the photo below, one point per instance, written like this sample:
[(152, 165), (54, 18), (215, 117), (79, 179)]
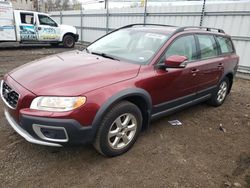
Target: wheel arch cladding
[(230, 78), (137, 96)]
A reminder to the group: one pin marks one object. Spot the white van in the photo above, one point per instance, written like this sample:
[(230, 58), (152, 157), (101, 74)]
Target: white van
[(33, 27)]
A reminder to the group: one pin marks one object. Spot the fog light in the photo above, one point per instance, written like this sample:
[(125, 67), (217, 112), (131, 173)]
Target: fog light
[(50, 133), (53, 133)]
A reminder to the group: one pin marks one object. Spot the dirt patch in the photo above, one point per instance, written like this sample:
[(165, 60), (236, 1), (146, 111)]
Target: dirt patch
[(196, 154)]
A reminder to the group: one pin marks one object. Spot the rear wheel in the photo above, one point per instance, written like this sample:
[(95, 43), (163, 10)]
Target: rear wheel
[(119, 129), (68, 41), (220, 94)]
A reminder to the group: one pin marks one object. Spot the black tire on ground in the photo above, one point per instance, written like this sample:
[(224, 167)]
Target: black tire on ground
[(124, 114), (54, 44), (220, 93), (68, 41)]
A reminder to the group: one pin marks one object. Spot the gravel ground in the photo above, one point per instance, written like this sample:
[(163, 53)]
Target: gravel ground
[(196, 154)]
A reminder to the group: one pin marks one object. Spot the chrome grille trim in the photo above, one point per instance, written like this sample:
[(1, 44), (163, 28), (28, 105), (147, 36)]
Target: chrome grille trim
[(7, 100)]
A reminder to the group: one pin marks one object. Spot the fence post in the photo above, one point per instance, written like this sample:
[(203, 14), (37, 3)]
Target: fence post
[(203, 12), (145, 12), (60, 16), (107, 16), (81, 25)]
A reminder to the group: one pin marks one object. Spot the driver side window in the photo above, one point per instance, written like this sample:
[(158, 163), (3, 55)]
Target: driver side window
[(45, 20), (184, 46)]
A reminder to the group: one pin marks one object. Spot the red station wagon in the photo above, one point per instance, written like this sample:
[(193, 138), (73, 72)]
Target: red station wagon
[(109, 92)]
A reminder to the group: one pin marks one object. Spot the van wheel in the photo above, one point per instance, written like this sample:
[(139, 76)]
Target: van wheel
[(68, 41), (220, 93), (119, 129)]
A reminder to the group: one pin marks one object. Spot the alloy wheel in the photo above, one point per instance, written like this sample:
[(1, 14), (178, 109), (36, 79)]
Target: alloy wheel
[(222, 92), (122, 131)]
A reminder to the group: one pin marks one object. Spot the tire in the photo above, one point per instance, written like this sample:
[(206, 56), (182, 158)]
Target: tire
[(68, 41), (54, 44), (220, 93), (112, 137)]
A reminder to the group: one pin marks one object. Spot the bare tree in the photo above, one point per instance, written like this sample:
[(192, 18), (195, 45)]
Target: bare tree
[(55, 5), (65, 5), (76, 5)]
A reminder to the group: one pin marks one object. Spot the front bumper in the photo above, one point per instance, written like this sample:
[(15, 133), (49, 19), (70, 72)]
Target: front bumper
[(76, 37), (30, 128)]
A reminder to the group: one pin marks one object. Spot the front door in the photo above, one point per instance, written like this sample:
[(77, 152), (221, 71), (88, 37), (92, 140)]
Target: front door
[(47, 29), (178, 82)]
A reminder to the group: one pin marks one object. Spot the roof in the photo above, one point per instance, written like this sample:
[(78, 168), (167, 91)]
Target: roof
[(167, 29), (30, 11)]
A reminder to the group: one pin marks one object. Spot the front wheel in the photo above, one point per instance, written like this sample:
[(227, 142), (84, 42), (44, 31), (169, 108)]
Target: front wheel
[(68, 41), (220, 93), (119, 129)]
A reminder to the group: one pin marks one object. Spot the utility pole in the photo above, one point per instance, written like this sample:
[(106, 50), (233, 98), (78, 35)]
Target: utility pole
[(202, 12), (107, 15), (106, 4), (145, 11)]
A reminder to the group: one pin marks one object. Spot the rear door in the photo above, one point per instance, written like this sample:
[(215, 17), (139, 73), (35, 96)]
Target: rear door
[(209, 65), (26, 28), (47, 29)]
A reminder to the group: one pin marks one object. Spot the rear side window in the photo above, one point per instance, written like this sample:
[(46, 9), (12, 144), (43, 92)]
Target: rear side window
[(27, 18), (208, 47), (226, 45), (184, 46)]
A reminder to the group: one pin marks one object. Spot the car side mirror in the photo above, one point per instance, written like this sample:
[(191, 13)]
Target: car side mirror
[(176, 61)]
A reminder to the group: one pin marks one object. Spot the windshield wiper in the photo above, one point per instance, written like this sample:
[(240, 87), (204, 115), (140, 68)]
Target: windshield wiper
[(105, 55)]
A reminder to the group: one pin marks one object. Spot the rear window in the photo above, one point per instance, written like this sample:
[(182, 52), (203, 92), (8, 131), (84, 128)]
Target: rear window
[(226, 45), (208, 47)]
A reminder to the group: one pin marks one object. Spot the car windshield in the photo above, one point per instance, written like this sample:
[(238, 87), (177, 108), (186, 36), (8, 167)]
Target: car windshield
[(132, 45)]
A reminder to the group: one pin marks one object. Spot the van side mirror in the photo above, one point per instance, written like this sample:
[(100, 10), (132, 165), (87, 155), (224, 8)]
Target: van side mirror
[(176, 61)]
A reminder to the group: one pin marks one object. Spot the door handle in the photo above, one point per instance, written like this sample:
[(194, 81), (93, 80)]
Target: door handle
[(195, 71), (220, 65)]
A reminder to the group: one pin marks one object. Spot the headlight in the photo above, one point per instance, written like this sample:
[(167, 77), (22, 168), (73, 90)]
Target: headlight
[(57, 104)]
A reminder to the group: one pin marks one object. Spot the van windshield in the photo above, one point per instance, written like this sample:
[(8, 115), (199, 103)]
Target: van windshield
[(137, 46)]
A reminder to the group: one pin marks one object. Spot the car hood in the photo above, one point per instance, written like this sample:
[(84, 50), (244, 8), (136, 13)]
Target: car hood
[(68, 28), (72, 73)]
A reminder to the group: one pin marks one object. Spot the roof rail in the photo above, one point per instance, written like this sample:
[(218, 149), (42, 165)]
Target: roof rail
[(198, 27), (142, 24)]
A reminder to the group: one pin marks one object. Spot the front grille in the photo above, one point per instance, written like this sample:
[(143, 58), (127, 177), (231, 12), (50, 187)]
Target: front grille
[(9, 95)]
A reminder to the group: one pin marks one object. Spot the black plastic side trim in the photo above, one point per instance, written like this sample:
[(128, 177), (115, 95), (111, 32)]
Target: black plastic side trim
[(182, 102), (179, 107), (173, 103)]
